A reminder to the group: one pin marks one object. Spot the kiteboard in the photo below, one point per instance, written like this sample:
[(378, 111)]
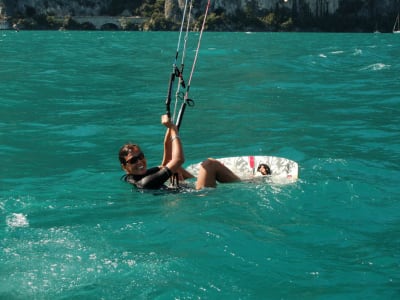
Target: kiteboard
[(247, 168)]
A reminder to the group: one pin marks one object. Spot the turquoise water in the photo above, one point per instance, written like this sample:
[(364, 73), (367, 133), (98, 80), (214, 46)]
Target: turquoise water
[(70, 229)]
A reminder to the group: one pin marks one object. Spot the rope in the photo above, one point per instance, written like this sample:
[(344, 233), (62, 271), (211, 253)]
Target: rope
[(186, 100), (175, 71), (198, 48), (181, 82)]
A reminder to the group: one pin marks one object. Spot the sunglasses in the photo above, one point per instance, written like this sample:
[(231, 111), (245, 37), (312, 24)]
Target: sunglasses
[(135, 159)]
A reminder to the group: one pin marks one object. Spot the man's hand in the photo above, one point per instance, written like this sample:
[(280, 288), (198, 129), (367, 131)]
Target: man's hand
[(166, 121)]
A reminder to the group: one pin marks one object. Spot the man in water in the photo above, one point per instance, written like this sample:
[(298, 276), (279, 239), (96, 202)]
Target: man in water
[(133, 162)]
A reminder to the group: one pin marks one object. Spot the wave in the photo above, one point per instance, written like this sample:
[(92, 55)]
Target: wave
[(376, 67), (17, 220)]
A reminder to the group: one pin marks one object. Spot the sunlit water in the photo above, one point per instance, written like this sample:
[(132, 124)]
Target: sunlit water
[(70, 229)]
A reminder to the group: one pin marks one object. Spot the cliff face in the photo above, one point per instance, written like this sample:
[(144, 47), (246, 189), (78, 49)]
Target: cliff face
[(56, 7), (302, 14), (232, 5), (172, 7), (317, 7)]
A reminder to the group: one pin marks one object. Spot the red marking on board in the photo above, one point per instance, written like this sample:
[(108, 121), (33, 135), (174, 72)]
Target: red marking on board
[(251, 161)]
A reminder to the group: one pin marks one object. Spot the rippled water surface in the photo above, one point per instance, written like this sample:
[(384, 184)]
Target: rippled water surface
[(70, 229)]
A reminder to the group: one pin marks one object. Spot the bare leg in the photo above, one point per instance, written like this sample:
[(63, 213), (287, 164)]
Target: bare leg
[(212, 171)]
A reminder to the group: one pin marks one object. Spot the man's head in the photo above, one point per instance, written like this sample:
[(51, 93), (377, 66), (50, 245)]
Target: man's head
[(132, 159)]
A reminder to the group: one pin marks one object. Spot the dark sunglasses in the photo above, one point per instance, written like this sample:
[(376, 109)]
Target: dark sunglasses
[(135, 159)]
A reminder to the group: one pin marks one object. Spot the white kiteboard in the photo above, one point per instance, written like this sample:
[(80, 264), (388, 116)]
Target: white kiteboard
[(283, 170)]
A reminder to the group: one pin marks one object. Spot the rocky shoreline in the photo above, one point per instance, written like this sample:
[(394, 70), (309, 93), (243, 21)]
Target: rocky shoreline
[(238, 15)]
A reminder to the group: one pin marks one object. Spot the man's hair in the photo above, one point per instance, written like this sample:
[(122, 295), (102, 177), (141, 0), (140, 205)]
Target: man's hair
[(125, 150)]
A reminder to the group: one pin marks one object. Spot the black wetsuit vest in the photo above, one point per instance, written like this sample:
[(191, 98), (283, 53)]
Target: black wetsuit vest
[(154, 178)]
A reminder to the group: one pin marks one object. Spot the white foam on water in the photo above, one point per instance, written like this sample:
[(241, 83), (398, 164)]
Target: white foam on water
[(376, 67), (17, 220)]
